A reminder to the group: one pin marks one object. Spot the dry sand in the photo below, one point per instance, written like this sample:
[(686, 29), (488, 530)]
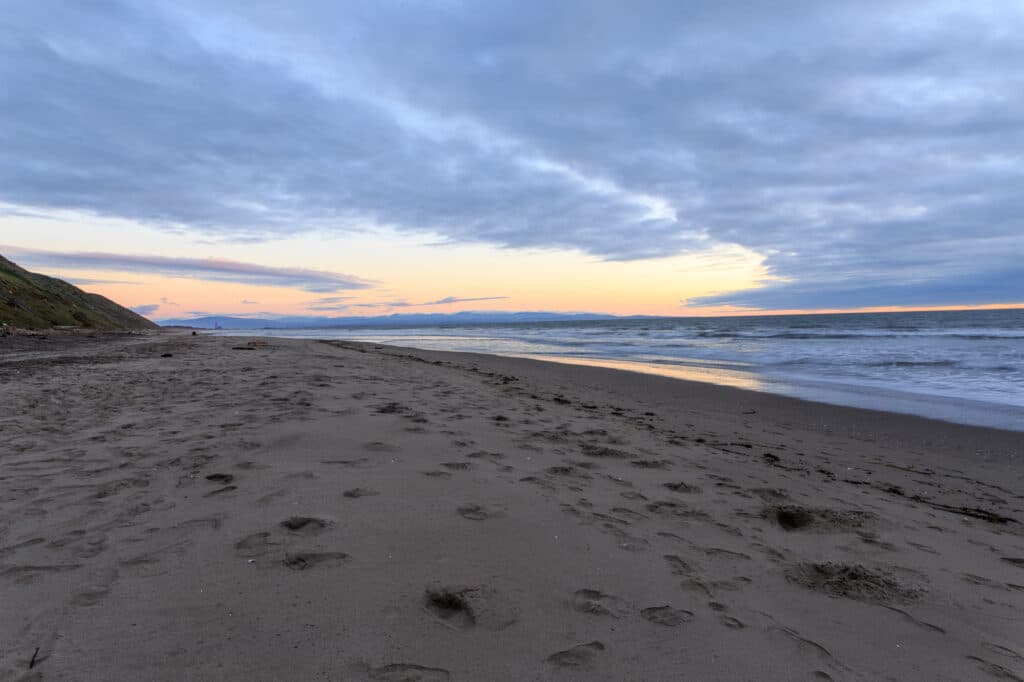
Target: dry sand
[(177, 507)]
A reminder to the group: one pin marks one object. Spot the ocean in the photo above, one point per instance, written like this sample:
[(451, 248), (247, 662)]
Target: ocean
[(961, 366)]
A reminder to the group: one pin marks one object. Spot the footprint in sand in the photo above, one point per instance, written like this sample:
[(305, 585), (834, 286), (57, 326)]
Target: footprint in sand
[(249, 466), (770, 494), (360, 463), (604, 452), (451, 606), (540, 482), (10, 549), (578, 656), (1003, 651), (466, 607), (652, 463), (360, 492), (916, 621), (96, 588), (379, 446), (256, 544), (301, 561), (732, 623), (666, 508), (31, 573), (924, 548), (484, 453), (666, 615), (627, 513), (408, 672), (597, 603), (994, 669), (677, 565), (852, 581), (272, 495), (478, 512), (793, 517), (391, 408), (568, 471), (458, 466), (681, 487), (306, 525)]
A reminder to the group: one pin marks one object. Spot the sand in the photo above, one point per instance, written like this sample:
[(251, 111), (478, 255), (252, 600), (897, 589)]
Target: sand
[(207, 508)]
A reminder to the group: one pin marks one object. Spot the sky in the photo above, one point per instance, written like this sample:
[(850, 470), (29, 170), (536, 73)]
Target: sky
[(652, 157)]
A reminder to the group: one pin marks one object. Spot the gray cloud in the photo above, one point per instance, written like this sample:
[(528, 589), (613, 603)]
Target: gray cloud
[(405, 304), (248, 302), (999, 287), (332, 299), (456, 299), (147, 309), (316, 281), (87, 281), (329, 304), (853, 144)]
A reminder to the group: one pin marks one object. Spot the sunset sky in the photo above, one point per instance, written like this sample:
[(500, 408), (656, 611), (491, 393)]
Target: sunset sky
[(332, 158)]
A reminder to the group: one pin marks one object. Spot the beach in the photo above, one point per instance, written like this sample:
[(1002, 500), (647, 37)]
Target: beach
[(961, 366), (203, 507)]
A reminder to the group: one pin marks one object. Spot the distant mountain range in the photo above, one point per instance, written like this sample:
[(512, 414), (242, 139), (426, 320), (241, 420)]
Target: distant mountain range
[(395, 320), (33, 301)]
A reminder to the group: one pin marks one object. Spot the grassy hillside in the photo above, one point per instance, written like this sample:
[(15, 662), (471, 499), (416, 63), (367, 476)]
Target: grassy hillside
[(34, 301)]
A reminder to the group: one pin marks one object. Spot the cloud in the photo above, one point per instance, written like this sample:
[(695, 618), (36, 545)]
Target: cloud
[(456, 299), (87, 281), (248, 302), (330, 304), (326, 300), (998, 287), (166, 301), (383, 304), (405, 304), (147, 309), (210, 269), (836, 139)]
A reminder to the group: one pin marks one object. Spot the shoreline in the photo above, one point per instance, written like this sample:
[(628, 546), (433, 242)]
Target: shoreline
[(722, 399), (261, 508), (871, 396), (1000, 417)]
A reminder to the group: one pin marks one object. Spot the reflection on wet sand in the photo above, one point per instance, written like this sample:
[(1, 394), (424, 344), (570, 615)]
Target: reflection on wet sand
[(713, 375)]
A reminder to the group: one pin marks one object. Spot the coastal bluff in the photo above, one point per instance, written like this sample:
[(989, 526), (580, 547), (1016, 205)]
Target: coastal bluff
[(32, 301)]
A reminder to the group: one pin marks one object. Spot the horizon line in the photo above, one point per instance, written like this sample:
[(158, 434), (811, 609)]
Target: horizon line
[(709, 314)]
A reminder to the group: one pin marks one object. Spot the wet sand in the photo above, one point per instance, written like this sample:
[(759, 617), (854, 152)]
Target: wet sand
[(177, 507)]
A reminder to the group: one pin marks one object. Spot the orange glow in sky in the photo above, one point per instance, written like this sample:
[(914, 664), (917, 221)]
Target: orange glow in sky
[(403, 274)]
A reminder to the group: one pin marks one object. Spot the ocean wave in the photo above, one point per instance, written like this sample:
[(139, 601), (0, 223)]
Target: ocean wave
[(912, 363), (810, 336)]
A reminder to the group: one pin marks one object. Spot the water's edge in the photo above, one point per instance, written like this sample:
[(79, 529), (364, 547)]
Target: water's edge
[(745, 375)]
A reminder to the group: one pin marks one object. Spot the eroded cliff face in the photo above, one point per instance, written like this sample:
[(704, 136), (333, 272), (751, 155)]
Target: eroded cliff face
[(33, 301)]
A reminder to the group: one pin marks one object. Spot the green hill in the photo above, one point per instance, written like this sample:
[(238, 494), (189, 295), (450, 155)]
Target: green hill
[(33, 301)]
